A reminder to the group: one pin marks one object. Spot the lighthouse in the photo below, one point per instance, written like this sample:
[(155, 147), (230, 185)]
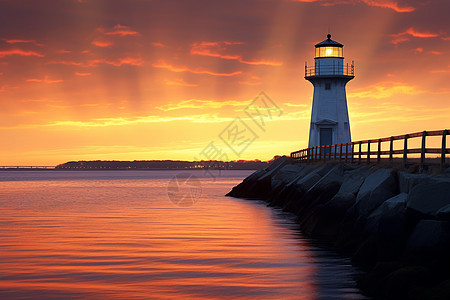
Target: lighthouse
[(329, 75)]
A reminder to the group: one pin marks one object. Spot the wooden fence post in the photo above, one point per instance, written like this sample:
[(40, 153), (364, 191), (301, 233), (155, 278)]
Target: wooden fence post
[(359, 155), (352, 150), (379, 151), (391, 149), (340, 152), (405, 150), (335, 151), (423, 149), (444, 148), (368, 152), (346, 152)]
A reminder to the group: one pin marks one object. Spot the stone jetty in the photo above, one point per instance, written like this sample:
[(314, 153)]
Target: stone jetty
[(394, 224)]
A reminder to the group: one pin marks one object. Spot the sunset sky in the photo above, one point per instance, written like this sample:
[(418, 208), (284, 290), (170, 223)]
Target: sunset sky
[(164, 79)]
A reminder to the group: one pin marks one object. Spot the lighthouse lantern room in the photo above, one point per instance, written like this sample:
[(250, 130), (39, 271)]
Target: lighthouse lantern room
[(329, 75)]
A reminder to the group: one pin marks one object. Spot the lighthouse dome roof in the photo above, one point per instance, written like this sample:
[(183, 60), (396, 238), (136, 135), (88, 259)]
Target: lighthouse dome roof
[(329, 42)]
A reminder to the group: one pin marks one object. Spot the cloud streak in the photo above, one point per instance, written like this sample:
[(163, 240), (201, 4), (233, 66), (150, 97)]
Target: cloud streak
[(214, 49), (45, 80), (20, 52), (390, 4), (201, 104), (385, 90), (121, 30), (163, 65)]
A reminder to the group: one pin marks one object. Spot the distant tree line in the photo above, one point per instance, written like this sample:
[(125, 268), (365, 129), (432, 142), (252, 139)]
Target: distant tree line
[(164, 164)]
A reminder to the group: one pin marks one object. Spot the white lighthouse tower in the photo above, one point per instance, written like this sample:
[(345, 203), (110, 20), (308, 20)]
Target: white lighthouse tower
[(329, 116)]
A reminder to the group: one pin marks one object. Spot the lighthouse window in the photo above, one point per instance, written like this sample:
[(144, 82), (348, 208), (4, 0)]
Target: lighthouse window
[(327, 86), (329, 52)]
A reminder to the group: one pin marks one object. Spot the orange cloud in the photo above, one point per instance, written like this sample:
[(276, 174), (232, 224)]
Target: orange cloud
[(253, 80), (64, 51), (45, 80), (64, 62), (117, 63), (389, 4), (102, 43), (214, 49), (122, 31), (20, 52), (375, 3), (83, 74), (161, 45), (180, 82), (201, 104), (400, 37), (436, 52), (411, 31), (162, 64), (399, 40), (385, 90), (262, 62), (19, 41)]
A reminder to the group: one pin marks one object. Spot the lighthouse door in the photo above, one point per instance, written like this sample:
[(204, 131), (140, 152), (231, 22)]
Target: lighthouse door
[(326, 136)]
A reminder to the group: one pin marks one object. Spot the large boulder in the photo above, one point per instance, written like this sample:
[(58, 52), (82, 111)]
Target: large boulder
[(288, 172), (406, 181), (258, 185), (392, 212), (429, 237), (297, 189), (285, 175), (426, 199), (353, 179), (377, 188), (322, 191), (276, 165), (444, 213), (326, 219)]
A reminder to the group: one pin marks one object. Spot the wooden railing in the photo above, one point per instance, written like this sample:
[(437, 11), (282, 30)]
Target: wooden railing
[(353, 152)]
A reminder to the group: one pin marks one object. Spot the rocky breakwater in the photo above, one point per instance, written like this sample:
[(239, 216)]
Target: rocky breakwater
[(394, 224)]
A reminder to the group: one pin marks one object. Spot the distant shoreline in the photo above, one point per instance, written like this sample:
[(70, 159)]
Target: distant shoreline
[(124, 169), (111, 165)]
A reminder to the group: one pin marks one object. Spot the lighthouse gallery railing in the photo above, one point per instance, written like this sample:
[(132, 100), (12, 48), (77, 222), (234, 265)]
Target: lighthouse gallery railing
[(346, 70), (353, 152)]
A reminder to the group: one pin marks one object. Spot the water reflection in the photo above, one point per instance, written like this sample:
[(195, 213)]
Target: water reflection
[(119, 237)]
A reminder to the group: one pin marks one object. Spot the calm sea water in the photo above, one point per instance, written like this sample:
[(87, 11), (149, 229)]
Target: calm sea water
[(145, 235)]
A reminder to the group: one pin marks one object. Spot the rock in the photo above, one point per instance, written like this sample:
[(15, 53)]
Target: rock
[(372, 282), (285, 175), (391, 213), (377, 188), (288, 172), (276, 165), (336, 174), (353, 180), (406, 181), (298, 188), (325, 220), (444, 213), (322, 191), (258, 184), (426, 199), (438, 292), (366, 254), (429, 237), (399, 283)]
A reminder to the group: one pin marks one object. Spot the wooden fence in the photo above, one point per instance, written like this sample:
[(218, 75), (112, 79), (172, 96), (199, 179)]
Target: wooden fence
[(353, 152)]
